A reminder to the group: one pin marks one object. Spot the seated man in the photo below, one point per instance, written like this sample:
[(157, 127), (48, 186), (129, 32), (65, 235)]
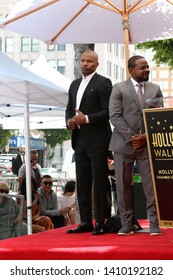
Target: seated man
[(49, 202), (39, 223)]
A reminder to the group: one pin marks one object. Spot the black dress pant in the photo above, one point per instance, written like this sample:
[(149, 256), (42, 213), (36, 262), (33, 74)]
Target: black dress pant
[(91, 172)]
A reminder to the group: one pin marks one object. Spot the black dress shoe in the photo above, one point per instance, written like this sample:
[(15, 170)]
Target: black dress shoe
[(81, 228), (98, 229)]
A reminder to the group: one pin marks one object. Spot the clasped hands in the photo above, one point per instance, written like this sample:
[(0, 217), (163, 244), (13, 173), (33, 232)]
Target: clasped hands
[(138, 141), (78, 119)]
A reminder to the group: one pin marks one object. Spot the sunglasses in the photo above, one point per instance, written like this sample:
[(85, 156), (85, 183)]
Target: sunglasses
[(47, 183), (2, 191)]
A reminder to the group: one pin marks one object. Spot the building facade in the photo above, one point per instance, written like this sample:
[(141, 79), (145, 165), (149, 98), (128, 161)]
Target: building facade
[(26, 50)]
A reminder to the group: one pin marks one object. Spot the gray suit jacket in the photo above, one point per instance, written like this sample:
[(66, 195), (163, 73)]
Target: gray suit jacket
[(126, 115)]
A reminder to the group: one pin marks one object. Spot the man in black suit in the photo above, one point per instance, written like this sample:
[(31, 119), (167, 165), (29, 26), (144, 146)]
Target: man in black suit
[(88, 117), (19, 160)]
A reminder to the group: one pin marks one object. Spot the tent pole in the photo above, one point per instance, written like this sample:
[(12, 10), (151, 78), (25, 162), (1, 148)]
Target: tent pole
[(126, 54), (126, 28), (28, 168)]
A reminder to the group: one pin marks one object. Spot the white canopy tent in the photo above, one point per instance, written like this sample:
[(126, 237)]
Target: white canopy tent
[(40, 116), (20, 86), (11, 115), (42, 68)]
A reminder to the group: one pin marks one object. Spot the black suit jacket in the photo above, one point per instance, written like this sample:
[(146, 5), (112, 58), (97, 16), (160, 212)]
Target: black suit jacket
[(16, 164), (94, 104)]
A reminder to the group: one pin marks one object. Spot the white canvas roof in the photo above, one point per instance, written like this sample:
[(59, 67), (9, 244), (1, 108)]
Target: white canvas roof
[(44, 69)]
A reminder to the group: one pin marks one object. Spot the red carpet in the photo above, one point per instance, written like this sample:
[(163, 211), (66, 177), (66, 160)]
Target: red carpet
[(58, 245)]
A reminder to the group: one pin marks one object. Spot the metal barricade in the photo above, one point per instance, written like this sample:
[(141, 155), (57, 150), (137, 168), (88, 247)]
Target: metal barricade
[(60, 181), (12, 182)]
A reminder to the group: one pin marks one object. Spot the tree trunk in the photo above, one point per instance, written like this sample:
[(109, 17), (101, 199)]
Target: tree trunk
[(79, 49)]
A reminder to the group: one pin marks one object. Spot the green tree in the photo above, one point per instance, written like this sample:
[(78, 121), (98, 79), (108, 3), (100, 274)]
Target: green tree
[(163, 50), (52, 138), (56, 136), (4, 138), (79, 49)]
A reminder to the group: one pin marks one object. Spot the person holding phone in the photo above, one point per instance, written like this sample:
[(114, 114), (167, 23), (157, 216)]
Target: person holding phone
[(35, 168)]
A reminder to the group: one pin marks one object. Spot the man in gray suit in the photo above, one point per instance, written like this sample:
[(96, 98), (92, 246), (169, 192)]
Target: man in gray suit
[(128, 141)]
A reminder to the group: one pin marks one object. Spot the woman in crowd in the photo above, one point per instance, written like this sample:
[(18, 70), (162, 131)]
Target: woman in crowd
[(66, 199), (39, 223)]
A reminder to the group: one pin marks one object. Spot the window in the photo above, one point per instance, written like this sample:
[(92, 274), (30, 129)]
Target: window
[(61, 66), (117, 49), (9, 44), (51, 48), (25, 42), (153, 74), (1, 18), (117, 72), (52, 62), (163, 74), (114, 74), (109, 47), (61, 47), (122, 74), (109, 68), (164, 84), (122, 52), (34, 45), (25, 63)]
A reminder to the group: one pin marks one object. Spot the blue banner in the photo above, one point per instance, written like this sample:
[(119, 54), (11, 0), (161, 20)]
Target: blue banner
[(17, 141)]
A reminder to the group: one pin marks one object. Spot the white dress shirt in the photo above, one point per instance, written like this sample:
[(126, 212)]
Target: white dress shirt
[(135, 83), (85, 81)]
